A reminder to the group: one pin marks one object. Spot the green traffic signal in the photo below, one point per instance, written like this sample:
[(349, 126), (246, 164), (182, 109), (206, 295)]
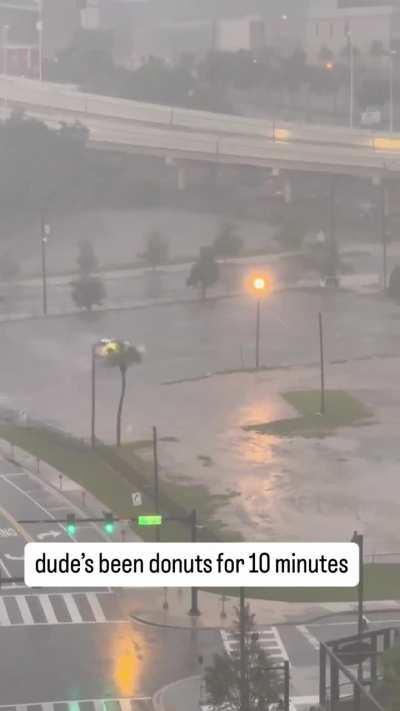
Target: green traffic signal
[(71, 525), (109, 523)]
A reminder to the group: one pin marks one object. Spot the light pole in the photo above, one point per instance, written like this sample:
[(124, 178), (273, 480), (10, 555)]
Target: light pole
[(4, 44), (39, 27), (194, 610), (392, 55), (93, 397), (358, 538), (351, 68), (44, 236), (259, 286)]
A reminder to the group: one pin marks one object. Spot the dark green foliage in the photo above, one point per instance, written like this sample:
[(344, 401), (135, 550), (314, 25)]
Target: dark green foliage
[(222, 679), (204, 272), (88, 291)]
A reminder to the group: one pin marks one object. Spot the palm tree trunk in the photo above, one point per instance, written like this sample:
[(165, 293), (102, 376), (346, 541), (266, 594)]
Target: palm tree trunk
[(121, 404)]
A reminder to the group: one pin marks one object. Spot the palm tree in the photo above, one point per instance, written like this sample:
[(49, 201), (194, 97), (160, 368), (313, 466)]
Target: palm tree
[(122, 354)]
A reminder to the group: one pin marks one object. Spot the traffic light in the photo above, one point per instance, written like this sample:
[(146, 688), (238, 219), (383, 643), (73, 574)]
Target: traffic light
[(71, 524), (109, 523)]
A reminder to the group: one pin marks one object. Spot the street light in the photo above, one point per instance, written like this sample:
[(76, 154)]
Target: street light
[(39, 27), (351, 63), (260, 285), (44, 236), (392, 55), (4, 44)]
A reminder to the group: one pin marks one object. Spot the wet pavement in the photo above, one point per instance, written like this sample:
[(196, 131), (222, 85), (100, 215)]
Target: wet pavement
[(291, 488)]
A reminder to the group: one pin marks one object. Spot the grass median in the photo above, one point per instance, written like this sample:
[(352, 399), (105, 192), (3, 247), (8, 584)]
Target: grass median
[(113, 475), (341, 410)]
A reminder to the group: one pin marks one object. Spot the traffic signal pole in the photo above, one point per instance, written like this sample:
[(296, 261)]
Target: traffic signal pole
[(93, 398), (194, 610)]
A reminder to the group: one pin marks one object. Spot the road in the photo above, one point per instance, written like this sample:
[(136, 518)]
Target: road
[(286, 149), (183, 341), (77, 650), (74, 645)]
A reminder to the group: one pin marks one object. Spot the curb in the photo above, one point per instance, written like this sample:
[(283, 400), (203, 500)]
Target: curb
[(286, 623), (157, 697)]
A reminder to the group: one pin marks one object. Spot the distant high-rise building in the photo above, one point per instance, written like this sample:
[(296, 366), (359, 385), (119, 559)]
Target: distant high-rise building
[(332, 24)]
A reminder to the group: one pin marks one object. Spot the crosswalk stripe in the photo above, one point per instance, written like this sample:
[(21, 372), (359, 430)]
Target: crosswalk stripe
[(72, 608), (47, 707), (125, 705), (95, 607), (280, 643), (48, 609), (98, 705), (4, 618), (24, 610)]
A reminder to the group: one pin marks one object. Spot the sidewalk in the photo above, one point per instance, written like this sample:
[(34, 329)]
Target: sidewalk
[(170, 608), (362, 284)]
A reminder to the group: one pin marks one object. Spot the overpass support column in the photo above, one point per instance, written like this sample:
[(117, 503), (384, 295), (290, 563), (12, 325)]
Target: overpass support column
[(181, 176), (287, 190)]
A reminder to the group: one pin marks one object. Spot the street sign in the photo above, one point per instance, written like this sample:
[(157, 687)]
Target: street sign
[(153, 520), (137, 498)]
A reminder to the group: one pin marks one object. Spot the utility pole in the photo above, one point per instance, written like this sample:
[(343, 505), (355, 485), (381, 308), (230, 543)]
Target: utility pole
[(93, 398), (359, 539), (351, 66), (384, 235), (258, 334), (322, 362), (44, 233), (244, 695), (156, 481)]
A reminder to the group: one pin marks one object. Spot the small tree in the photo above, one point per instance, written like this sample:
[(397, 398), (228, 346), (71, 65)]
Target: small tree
[(87, 260), (223, 679), (156, 251), (88, 291), (122, 354), (204, 272), (227, 242)]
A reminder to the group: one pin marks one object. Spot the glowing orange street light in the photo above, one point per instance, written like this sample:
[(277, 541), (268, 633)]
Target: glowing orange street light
[(329, 66), (259, 283)]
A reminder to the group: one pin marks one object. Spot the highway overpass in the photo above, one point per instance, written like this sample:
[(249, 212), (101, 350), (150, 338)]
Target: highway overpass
[(186, 135)]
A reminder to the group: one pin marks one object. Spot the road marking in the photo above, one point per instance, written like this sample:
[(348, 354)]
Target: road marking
[(352, 622), (72, 608), (280, 644), (5, 569), (48, 534), (8, 533), (36, 503), (125, 705), (48, 609), (4, 618), (14, 523), (24, 610), (95, 607), (13, 557), (308, 636)]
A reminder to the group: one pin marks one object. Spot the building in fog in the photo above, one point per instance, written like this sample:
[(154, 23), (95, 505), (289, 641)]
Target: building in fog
[(369, 24)]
